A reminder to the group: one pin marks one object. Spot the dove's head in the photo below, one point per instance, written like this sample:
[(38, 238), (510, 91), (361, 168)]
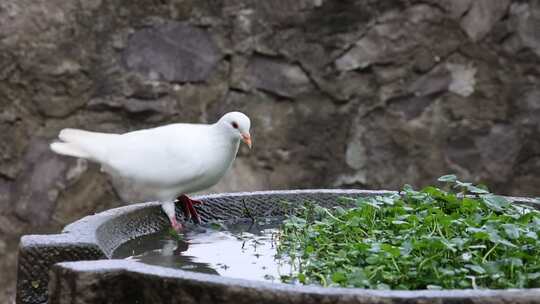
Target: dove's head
[(237, 125)]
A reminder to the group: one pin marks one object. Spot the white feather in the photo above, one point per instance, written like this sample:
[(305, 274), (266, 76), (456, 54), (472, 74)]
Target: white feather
[(68, 149), (165, 161)]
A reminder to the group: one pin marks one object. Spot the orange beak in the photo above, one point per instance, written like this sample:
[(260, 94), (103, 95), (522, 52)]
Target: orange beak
[(246, 138)]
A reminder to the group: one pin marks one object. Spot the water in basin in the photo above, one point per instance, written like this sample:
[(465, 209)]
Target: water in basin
[(243, 249)]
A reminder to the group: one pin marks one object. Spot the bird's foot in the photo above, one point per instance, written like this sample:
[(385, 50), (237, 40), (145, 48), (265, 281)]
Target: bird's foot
[(188, 209), (196, 202), (176, 225)]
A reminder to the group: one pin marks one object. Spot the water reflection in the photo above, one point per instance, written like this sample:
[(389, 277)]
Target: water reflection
[(243, 250)]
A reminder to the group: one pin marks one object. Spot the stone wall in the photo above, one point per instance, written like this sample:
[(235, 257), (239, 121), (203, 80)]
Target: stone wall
[(342, 93)]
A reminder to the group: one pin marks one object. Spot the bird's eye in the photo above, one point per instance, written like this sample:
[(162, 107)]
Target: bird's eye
[(234, 125)]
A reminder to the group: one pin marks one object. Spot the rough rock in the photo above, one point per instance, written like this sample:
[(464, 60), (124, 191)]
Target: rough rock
[(277, 77), (456, 8), (41, 182), (528, 24), (463, 80), (365, 52), (151, 110), (481, 17), (176, 52), (436, 81)]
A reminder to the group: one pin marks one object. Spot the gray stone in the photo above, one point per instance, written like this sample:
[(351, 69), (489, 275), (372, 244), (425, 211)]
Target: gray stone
[(152, 110), (365, 52), (499, 150), (16, 140), (463, 79), (526, 178), (5, 195), (456, 8), (436, 81), (55, 100), (356, 151), (38, 188), (277, 77), (393, 38), (347, 86), (528, 111), (528, 25), (481, 17), (137, 87), (176, 52)]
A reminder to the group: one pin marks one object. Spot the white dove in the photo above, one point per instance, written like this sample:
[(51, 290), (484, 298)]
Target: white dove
[(168, 162)]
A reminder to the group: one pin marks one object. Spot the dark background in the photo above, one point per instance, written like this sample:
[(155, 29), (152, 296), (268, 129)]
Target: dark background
[(363, 94)]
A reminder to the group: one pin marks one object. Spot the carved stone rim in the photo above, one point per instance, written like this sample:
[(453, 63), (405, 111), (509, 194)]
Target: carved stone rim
[(82, 244), (146, 270)]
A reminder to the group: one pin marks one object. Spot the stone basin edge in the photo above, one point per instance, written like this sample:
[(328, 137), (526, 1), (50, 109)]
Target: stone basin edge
[(80, 241)]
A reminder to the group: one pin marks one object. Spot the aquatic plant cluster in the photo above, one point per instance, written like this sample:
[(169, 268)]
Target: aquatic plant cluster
[(454, 237)]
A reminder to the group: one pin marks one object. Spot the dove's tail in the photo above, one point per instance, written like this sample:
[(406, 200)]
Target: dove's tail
[(80, 143), (68, 149)]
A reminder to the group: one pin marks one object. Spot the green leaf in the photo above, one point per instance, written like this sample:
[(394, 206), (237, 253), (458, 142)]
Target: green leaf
[(370, 202), (217, 226), (459, 242), (470, 188), (338, 277), (495, 202), (515, 261), (375, 247), (467, 256), (394, 251), (476, 268), (447, 178), (358, 278), (372, 259), (450, 246), (174, 234), (382, 286), (496, 238), (511, 230), (406, 248), (532, 235), (385, 199), (408, 189), (476, 190), (433, 287)]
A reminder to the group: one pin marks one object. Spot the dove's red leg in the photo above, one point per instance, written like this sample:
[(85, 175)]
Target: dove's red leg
[(185, 209), (188, 203), (168, 208), (175, 224)]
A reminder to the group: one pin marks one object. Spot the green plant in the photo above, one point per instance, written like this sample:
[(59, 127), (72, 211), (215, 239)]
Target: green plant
[(173, 234), (457, 236)]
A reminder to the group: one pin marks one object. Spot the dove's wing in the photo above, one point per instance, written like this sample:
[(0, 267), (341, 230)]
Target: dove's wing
[(166, 156)]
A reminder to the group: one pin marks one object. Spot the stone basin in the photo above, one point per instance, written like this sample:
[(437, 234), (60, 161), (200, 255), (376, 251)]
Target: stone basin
[(76, 266)]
